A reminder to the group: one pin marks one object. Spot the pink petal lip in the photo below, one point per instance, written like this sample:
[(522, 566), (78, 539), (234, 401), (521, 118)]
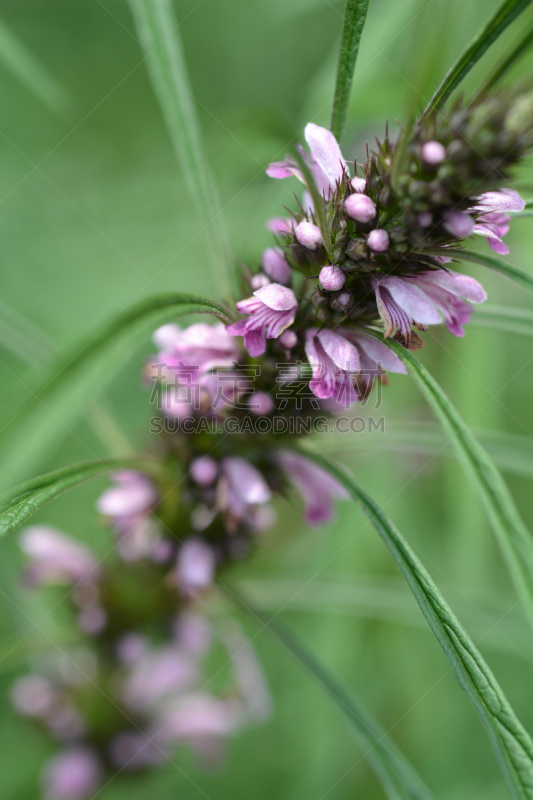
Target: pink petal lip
[(411, 299), (277, 297), (342, 352)]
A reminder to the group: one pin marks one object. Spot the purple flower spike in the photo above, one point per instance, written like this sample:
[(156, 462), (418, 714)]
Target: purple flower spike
[(504, 202), (378, 240), (56, 558), (274, 265), (360, 207), (317, 488), (433, 152), (73, 774), (459, 224), (203, 470), (272, 309), (332, 359), (308, 235), (332, 278)]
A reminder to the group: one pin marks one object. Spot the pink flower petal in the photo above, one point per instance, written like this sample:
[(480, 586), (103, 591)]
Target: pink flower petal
[(276, 297)]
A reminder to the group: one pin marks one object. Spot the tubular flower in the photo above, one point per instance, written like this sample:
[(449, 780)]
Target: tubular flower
[(316, 487), (425, 300), (271, 310)]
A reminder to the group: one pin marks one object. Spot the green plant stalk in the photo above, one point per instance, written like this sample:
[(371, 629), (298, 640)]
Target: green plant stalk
[(158, 30), (512, 743), (506, 13), (352, 29)]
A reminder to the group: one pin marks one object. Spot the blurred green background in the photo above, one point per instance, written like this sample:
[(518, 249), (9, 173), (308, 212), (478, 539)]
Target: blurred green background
[(94, 215)]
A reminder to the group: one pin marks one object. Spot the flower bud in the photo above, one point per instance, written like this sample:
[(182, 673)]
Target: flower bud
[(378, 240), (459, 224), (358, 184), (203, 470), (274, 265), (360, 207), (308, 235), (259, 280), (332, 278), (288, 339), (433, 152), (343, 302), (425, 219), (261, 403)]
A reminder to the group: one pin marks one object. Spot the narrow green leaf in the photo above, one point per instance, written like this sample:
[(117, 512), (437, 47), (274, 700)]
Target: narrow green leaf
[(516, 53), (510, 740), (506, 13), (19, 503), (69, 388), (514, 538), (21, 62), (352, 29), (158, 30), (398, 777)]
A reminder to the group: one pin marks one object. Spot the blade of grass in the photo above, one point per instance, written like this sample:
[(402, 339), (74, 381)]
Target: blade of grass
[(511, 742), (506, 13), (352, 29), (21, 62), (158, 30), (397, 776), (68, 388), (19, 503), (514, 538)]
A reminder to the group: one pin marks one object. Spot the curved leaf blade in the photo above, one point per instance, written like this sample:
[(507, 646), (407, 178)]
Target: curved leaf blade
[(19, 503), (506, 13), (158, 30), (352, 29), (502, 318), (515, 55), (397, 776), (514, 538), (81, 376), (512, 743)]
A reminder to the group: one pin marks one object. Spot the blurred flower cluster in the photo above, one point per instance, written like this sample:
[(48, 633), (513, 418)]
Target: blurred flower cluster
[(132, 686)]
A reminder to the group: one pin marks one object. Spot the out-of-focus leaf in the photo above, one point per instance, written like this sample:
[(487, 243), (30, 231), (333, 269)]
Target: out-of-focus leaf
[(514, 538), (510, 740), (398, 777), (70, 387), (506, 13), (158, 30), (352, 29), (516, 53), (502, 318), (21, 62)]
